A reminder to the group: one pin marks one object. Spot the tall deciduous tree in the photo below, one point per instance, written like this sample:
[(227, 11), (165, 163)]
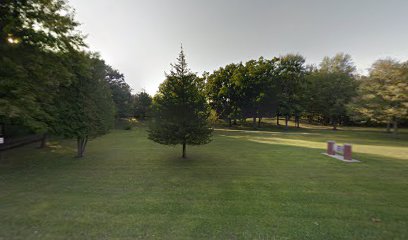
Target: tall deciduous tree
[(180, 110), (121, 92), (331, 88), (383, 95), (290, 74), (87, 109), (222, 93), (34, 35), (142, 105)]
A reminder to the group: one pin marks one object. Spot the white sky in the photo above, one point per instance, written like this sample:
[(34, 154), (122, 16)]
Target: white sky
[(142, 38)]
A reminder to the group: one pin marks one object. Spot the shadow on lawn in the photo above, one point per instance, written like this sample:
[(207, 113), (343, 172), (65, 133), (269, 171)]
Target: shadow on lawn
[(55, 155)]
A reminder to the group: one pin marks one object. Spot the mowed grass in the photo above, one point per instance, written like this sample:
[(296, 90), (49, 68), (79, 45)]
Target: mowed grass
[(244, 185)]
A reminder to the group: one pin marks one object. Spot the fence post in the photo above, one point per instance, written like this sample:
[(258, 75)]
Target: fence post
[(347, 152), (330, 147)]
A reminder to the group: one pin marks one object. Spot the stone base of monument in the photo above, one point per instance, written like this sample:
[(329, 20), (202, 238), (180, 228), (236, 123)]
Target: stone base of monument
[(342, 153), (341, 158)]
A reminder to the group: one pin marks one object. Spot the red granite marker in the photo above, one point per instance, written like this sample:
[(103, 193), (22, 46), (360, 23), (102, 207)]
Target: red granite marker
[(347, 152), (330, 147)]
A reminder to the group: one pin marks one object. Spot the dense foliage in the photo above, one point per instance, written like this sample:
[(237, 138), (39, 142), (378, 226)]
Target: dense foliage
[(48, 82), (142, 103), (34, 38), (331, 93), (87, 109), (383, 94), (121, 93)]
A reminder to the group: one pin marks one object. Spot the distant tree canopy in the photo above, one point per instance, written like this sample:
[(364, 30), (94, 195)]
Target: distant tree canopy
[(121, 93), (48, 82), (259, 88), (329, 94), (383, 94), (142, 104), (180, 111), (330, 89)]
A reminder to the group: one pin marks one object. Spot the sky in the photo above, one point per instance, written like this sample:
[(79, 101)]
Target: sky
[(142, 38)]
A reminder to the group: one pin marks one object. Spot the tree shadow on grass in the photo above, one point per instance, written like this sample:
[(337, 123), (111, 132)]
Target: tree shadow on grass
[(30, 156)]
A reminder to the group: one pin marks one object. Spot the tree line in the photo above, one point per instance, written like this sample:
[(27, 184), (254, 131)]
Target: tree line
[(331, 93)]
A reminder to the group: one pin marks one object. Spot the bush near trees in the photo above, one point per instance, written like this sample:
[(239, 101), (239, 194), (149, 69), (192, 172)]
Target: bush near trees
[(180, 110)]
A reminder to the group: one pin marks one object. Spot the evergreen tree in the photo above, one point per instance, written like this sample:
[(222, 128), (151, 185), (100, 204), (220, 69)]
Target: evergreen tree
[(180, 110)]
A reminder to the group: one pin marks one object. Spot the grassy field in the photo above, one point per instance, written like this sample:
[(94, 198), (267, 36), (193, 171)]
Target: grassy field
[(244, 185)]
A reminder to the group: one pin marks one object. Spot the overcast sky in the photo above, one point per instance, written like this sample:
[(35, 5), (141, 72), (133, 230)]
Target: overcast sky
[(142, 38)]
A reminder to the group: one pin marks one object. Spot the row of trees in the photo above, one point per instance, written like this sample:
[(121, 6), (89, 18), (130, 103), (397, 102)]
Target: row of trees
[(49, 82), (331, 93)]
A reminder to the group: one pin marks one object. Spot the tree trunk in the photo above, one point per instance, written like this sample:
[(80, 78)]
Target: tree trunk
[(184, 150), (395, 127), (81, 144), (229, 122), (79, 150), (254, 122), (44, 141), (286, 122), (388, 127), (277, 119), (259, 122), (235, 121)]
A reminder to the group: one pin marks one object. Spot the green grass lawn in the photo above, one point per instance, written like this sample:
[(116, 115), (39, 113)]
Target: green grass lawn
[(243, 185)]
